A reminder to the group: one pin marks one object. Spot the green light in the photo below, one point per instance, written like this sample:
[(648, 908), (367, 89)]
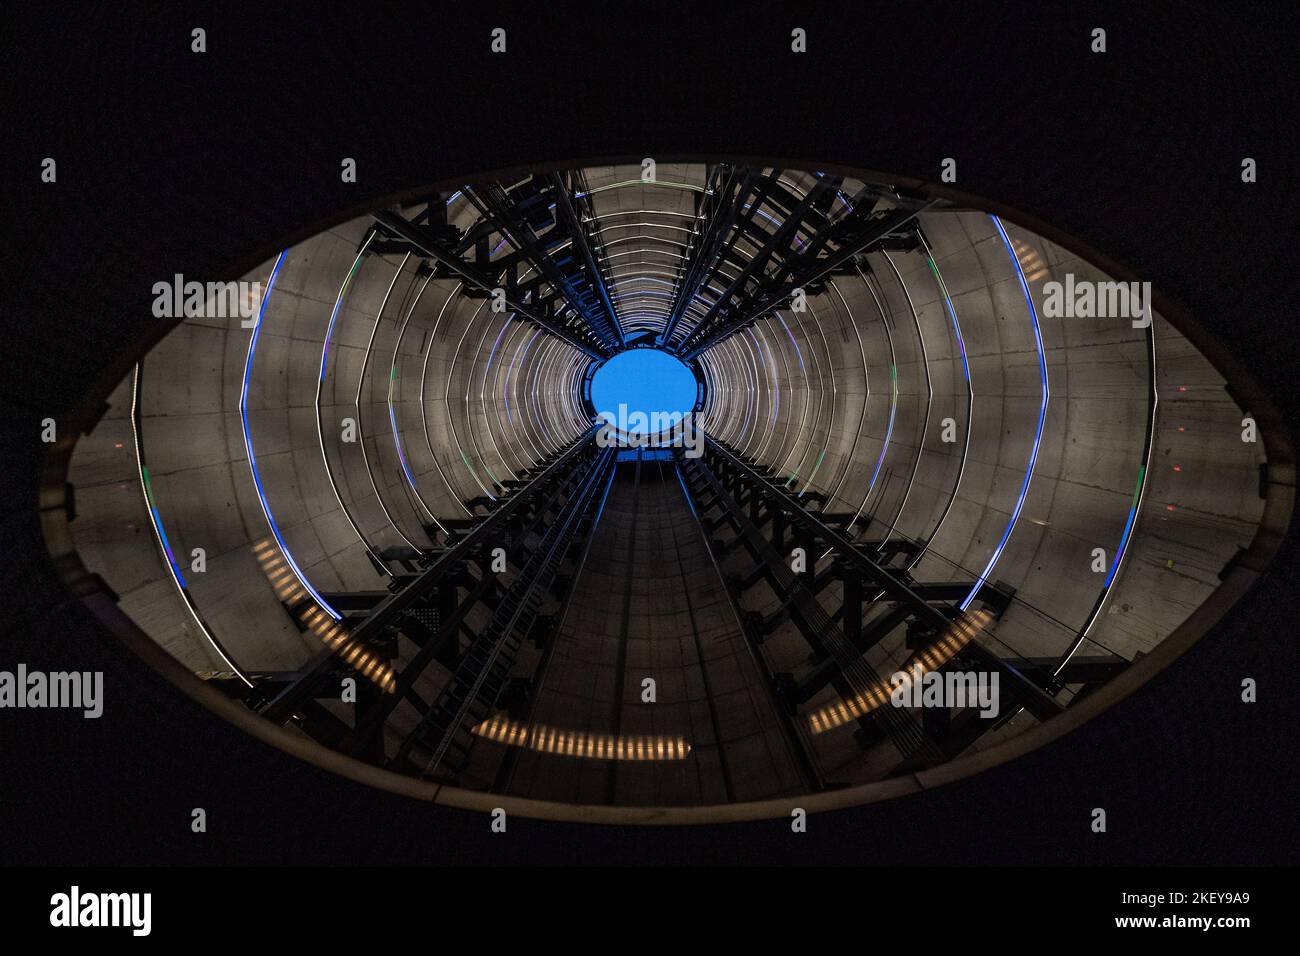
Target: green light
[(816, 467), (148, 488), (1142, 474)]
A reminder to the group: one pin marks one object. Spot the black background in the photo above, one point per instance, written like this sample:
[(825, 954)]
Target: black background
[(208, 164)]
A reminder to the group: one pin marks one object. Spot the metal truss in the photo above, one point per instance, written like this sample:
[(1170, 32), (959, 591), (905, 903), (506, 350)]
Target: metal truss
[(529, 297), (745, 511), (728, 191), (420, 626), (541, 219), (808, 244), (444, 733)]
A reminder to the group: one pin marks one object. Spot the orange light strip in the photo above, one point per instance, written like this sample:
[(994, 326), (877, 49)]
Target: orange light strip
[(319, 623), (574, 743), (961, 633)]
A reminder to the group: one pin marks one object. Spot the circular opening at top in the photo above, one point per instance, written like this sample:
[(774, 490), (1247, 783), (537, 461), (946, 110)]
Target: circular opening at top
[(643, 392)]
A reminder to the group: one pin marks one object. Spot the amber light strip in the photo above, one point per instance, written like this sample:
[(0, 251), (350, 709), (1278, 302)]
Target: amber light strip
[(961, 633), (321, 624), (572, 743)]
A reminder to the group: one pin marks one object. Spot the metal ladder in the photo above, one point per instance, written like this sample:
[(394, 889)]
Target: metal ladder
[(444, 735)]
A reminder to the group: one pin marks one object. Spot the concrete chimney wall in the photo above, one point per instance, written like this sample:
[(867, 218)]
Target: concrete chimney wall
[(478, 397)]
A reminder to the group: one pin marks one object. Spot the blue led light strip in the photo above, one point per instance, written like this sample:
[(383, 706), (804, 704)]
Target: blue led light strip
[(392, 415), (252, 459), (146, 486), (1135, 507), (320, 424), (893, 393), (1042, 416), (1128, 526), (970, 402)]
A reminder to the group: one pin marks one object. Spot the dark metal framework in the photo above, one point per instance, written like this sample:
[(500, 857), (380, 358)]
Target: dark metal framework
[(451, 628), (744, 508), (528, 297), (757, 241), (712, 242), (541, 219), (423, 623)]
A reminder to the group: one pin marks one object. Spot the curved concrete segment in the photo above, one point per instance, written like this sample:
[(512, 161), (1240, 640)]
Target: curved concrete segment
[(958, 399)]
